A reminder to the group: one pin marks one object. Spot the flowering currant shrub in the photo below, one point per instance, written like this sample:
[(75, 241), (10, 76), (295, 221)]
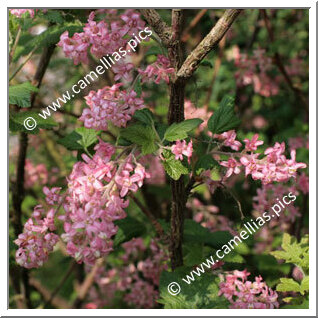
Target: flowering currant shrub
[(156, 164)]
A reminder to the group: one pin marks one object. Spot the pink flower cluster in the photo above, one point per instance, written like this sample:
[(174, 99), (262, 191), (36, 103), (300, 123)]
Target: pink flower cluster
[(110, 103), (138, 276), (20, 12), (245, 294), (254, 70), (95, 199), (274, 166), (181, 148), (157, 71), (102, 38), (229, 139), (35, 174), (37, 239)]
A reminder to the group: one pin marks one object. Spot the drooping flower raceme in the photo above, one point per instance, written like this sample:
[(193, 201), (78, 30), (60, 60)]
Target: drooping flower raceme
[(37, 239), (273, 166), (96, 197), (245, 294)]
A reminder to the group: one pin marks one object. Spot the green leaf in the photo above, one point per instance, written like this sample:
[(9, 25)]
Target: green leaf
[(128, 228), (205, 162), (304, 285), (144, 115), (288, 284), (21, 94), (179, 131), (154, 50), (294, 252), (16, 122), (224, 118), (54, 16), (141, 135), (303, 305), (70, 141), (87, 136), (196, 233), (173, 167), (200, 294)]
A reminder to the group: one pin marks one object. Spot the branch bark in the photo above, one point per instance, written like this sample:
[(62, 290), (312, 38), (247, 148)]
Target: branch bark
[(159, 26), (176, 114), (207, 44)]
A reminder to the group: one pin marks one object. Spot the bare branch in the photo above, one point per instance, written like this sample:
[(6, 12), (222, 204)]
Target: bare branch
[(158, 25), (207, 44)]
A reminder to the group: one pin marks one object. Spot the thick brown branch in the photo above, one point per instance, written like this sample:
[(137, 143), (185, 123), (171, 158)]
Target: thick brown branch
[(207, 44), (176, 114), (158, 25)]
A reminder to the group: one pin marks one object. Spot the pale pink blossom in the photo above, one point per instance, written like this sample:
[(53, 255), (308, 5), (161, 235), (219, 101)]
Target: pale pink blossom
[(181, 148), (232, 165), (251, 145), (245, 294)]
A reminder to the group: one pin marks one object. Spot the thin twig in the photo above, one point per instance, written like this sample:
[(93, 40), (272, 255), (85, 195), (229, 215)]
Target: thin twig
[(60, 285), (22, 64), (235, 198), (15, 44), (280, 65), (88, 282), (152, 219)]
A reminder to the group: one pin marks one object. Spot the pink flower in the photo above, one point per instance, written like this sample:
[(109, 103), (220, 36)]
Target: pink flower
[(123, 70), (157, 71), (110, 103), (133, 21), (229, 139), (252, 166), (52, 196), (75, 47), (232, 165), (36, 242), (181, 148), (251, 145), (20, 12), (244, 294), (293, 165)]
